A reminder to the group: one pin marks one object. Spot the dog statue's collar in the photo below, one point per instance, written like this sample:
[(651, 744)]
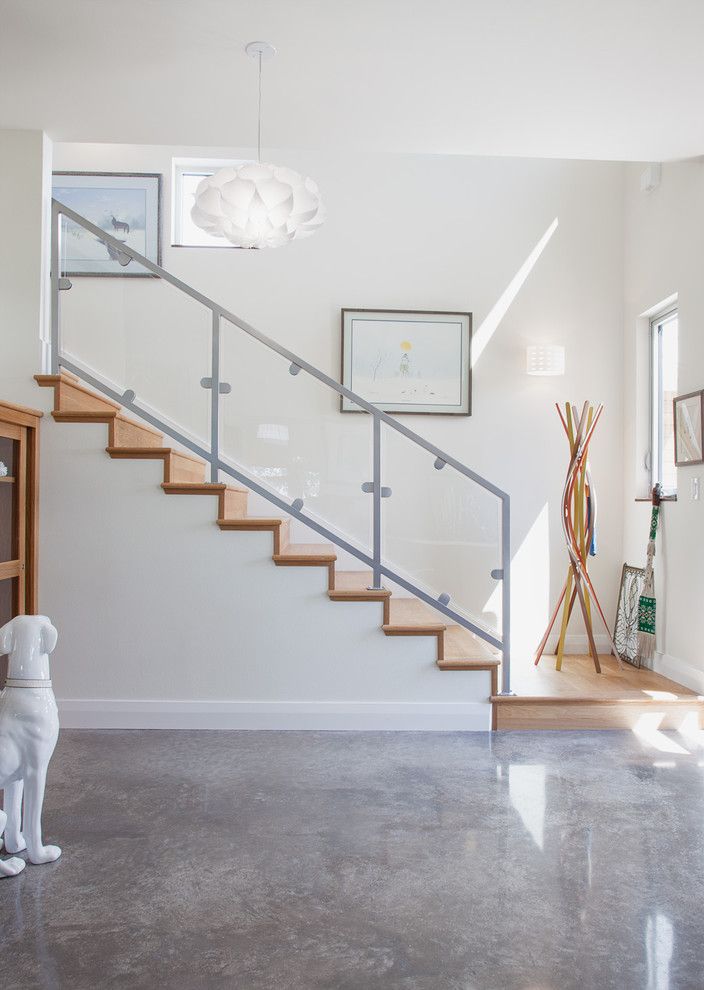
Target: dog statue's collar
[(27, 682)]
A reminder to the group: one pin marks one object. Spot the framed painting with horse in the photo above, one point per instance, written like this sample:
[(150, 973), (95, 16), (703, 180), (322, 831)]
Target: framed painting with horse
[(126, 205)]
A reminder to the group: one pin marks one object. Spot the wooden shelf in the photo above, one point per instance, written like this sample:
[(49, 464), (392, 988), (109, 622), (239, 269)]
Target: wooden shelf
[(7, 480)]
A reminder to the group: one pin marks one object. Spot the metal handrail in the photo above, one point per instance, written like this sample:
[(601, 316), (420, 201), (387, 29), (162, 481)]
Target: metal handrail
[(297, 364)]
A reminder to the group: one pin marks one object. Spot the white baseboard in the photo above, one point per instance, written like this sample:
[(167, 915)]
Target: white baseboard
[(679, 671), (89, 713)]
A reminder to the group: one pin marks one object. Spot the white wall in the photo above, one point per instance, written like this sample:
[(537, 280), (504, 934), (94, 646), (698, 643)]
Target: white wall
[(407, 232), (24, 199), (664, 249)]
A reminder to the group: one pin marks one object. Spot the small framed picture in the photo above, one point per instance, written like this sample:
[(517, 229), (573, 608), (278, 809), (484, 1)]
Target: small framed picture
[(408, 361), (126, 205), (689, 413)]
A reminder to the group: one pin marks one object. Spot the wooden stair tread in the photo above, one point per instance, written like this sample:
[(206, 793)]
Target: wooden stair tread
[(204, 488), (409, 613), (251, 522), (347, 580), (76, 391), (114, 419), (322, 553), (355, 586), (63, 376), (684, 700), (152, 452), (460, 643), (94, 416), (102, 416), (469, 663)]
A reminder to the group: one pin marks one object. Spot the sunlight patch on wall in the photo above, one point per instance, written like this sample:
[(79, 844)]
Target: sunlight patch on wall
[(491, 321), (530, 589)]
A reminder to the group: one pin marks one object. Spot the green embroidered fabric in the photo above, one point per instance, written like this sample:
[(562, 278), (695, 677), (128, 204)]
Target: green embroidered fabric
[(654, 522), (646, 615)]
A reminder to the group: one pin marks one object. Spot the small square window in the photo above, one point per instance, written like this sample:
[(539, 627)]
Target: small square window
[(187, 175)]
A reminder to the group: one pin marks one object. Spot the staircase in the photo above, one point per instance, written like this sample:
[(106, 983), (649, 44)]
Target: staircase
[(185, 474), (195, 467)]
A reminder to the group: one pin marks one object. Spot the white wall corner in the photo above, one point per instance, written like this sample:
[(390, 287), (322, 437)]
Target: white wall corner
[(679, 671)]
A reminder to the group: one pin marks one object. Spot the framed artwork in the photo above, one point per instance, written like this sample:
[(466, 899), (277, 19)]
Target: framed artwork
[(408, 361), (626, 624), (689, 413), (126, 205)]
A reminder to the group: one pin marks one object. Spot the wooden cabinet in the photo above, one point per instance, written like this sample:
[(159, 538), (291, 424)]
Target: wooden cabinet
[(19, 477)]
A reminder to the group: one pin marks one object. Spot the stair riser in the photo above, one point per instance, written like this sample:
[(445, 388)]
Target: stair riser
[(182, 469), (233, 505), (281, 536), (593, 715), (127, 434), (72, 398)]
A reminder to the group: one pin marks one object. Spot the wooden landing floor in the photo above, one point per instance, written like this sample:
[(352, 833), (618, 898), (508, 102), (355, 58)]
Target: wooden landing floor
[(578, 698)]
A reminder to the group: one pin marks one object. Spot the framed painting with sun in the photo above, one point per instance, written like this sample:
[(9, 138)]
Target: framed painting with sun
[(408, 361)]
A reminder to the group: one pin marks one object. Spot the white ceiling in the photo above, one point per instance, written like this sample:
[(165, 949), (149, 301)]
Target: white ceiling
[(607, 79)]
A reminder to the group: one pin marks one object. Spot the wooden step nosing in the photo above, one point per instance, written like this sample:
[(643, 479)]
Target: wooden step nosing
[(250, 521), (204, 488), (358, 596), (152, 452), (468, 664), (654, 703), (65, 376), (393, 629), (96, 416), (144, 453)]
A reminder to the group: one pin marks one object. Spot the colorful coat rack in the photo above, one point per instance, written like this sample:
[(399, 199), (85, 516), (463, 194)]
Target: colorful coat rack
[(579, 528)]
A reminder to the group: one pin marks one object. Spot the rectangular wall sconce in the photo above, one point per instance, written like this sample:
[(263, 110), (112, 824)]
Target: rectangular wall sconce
[(545, 359)]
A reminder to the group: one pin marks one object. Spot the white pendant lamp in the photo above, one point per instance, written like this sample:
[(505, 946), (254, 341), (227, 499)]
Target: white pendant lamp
[(257, 205)]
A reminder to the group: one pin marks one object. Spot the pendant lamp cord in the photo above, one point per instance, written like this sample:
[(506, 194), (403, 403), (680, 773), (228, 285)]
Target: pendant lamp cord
[(259, 121)]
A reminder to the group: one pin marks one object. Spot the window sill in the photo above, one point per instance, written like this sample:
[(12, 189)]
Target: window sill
[(663, 498)]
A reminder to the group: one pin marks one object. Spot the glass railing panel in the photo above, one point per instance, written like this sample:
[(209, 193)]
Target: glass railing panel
[(287, 432), (441, 530), (139, 333)]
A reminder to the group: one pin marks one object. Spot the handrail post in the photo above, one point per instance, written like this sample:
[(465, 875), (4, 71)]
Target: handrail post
[(376, 503), (55, 289), (506, 595), (215, 399)]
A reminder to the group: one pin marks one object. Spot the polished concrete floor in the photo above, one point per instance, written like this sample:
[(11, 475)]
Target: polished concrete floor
[(522, 861)]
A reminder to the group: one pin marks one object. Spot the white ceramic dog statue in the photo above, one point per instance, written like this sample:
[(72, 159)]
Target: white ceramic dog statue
[(29, 728)]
